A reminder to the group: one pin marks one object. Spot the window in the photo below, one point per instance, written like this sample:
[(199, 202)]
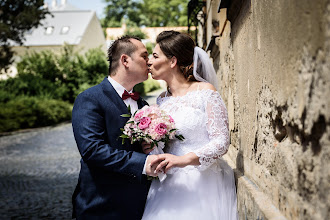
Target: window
[(49, 30), (65, 30)]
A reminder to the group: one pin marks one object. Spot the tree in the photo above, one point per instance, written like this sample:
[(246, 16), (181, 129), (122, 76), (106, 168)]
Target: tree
[(116, 10), (16, 18), (135, 31), (151, 13), (160, 13)]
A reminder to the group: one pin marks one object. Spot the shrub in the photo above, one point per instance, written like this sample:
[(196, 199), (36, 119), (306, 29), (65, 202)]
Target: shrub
[(46, 82), (6, 96), (147, 86), (96, 66), (135, 31), (30, 112), (59, 76), (29, 85), (150, 46)]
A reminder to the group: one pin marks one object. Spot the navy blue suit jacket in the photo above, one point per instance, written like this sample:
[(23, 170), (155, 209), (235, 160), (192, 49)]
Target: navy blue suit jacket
[(111, 184)]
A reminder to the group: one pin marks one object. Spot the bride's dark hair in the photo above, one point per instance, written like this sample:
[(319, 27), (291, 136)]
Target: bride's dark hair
[(180, 45)]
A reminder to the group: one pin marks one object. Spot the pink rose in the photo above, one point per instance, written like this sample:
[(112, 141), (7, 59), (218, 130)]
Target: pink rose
[(139, 115), (161, 129), (171, 119), (144, 123)]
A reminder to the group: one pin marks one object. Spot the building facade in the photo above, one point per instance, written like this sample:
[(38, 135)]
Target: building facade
[(273, 64)]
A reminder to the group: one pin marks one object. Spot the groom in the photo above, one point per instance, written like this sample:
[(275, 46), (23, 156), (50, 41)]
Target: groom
[(111, 182)]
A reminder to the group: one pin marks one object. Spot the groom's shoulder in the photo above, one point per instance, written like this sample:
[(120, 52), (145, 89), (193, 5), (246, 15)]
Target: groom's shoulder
[(94, 92), (91, 90), (95, 89)]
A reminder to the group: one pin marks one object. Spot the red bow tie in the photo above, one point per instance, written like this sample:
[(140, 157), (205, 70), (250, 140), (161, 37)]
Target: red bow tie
[(134, 95)]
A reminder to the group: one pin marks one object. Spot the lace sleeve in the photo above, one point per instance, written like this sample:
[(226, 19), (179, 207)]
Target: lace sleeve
[(217, 128)]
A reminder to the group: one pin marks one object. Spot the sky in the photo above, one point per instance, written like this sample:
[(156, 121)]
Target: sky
[(95, 5)]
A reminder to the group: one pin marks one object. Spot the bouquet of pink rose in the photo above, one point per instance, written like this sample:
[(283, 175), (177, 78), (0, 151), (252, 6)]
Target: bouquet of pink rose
[(152, 125)]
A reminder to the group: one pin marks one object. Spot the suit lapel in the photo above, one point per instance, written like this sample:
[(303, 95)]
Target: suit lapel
[(113, 95), (141, 102)]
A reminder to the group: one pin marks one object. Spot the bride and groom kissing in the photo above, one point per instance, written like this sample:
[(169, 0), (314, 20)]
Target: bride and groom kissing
[(113, 181)]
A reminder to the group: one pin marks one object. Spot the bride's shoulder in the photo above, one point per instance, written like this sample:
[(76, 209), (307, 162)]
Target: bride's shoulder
[(204, 85), (162, 95)]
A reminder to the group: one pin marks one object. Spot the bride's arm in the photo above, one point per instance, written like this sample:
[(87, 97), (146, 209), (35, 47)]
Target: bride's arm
[(218, 130), (170, 160)]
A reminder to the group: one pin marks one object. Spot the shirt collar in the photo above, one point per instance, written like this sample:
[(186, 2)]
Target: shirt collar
[(119, 88)]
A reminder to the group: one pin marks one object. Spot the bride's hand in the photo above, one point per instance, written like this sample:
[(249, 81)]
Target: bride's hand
[(170, 160)]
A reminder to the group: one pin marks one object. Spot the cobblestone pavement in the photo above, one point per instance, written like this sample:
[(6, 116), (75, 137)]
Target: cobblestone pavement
[(38, 173)]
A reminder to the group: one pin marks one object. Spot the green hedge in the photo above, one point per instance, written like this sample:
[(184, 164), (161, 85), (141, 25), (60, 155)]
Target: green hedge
[(31, 112), (46, 84), (58, 76), (147, 86)]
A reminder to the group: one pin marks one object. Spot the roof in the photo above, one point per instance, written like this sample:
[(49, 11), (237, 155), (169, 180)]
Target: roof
[(70, 19)]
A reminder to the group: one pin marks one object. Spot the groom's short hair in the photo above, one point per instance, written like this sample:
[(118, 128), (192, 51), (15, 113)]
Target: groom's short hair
[(122, 45)]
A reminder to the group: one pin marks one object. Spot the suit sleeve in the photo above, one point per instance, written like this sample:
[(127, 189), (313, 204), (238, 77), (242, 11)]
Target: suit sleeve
[(89, 130)]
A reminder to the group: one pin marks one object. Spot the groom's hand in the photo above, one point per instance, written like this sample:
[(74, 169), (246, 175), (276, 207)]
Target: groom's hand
[(146, 148), (152, 163)]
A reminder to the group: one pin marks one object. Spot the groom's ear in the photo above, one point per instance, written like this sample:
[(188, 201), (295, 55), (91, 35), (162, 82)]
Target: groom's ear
[(174, 61), (124, 60)]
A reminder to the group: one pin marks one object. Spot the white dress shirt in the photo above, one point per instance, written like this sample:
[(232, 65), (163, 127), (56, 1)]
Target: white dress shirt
[(128, 102), (120, 90)]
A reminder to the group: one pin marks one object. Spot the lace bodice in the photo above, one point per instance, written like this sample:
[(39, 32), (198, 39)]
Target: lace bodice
[(201, 117)]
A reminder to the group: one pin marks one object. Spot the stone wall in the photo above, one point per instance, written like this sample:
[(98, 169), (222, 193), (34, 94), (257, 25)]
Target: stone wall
[(273, 62)]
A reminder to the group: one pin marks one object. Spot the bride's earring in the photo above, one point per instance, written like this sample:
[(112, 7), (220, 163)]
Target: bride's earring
[(169, 90)]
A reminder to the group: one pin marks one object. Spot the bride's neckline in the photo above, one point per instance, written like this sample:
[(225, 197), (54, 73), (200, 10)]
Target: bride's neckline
[(182, 96), (168, 91)]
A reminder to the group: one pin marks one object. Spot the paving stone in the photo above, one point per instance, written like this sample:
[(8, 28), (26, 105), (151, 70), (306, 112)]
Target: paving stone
[(38, 173)]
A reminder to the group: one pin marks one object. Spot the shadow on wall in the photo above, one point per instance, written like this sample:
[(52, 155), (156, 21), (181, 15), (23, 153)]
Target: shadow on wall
[(239, 170)]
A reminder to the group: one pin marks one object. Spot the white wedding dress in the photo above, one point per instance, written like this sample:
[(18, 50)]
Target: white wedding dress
[(204, 192)]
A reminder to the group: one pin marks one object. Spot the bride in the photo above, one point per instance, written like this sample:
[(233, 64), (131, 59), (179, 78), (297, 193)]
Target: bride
[(199, 183)]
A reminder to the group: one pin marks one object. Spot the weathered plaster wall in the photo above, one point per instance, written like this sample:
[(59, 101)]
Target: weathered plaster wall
[(274, 72)]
